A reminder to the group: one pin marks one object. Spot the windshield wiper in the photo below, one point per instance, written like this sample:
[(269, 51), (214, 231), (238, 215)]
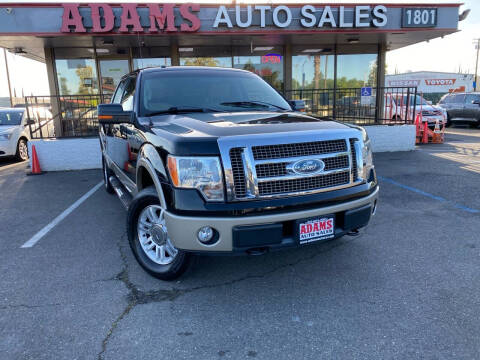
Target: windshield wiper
[(180, 110), (252, 104)]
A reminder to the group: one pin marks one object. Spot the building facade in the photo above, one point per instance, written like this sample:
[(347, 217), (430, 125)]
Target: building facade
[(88, 47), (432, 85)]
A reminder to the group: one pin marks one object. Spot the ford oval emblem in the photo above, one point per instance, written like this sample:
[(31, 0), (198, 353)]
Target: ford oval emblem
[(308, 167)]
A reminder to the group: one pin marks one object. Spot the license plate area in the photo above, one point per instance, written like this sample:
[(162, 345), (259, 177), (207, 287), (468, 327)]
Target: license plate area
[(315, 229)]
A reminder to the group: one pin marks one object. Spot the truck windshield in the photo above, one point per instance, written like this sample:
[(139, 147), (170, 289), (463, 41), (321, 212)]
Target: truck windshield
[(211, 90), (11, 117)]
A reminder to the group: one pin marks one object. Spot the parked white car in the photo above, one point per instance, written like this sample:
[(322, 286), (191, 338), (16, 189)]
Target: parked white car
[(14, 133), (400, 107)]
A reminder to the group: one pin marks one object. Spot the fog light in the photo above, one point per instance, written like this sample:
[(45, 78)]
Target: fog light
[(205, 234)]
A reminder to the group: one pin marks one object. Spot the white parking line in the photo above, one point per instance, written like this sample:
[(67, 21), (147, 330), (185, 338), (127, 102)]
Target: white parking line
[(35, 238)]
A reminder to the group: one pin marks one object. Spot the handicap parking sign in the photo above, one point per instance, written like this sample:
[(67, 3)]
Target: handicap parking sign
[(366, 91)]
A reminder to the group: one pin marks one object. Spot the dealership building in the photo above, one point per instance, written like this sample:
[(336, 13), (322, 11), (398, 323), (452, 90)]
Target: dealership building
[(311, 51), (432, 85)]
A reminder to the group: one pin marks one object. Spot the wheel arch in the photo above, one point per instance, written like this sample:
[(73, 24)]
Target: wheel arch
[(149, 169)]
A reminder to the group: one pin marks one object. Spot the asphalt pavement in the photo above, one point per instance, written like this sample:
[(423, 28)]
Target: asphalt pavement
[(406, 288)]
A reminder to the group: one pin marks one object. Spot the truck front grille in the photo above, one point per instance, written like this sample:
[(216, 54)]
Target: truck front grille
[(300, 149), (239, 182), (303, 184), (354, 159), (260, 168), (280, 169)]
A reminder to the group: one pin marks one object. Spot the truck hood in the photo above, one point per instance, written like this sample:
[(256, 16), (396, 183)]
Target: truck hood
[(197, 133), (238, 123)]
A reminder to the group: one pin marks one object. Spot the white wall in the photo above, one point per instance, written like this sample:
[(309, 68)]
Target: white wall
[(67, 154), (80, 154), (391, 138)]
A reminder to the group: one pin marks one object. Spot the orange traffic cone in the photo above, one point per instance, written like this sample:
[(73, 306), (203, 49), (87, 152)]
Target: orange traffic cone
[(418, 130), (36, 170), (437, 136), (425, 133)]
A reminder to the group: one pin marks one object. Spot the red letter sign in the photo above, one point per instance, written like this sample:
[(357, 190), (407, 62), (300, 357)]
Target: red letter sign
[(161, 17), (71, 18), (107, 16), (187, 15), (130, 18)]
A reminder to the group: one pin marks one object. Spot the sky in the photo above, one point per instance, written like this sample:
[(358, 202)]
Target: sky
[(452, 53), (448, 54)]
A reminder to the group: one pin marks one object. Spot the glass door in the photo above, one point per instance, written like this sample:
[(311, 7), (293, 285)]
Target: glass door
[(111, 71)]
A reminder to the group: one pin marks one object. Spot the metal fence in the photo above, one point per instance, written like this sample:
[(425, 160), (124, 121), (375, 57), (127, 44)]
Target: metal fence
[(383, 105), (63, 116), (76, 115)]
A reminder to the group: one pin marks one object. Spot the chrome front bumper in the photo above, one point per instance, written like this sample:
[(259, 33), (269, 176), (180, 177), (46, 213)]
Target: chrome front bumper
[(183, 230)]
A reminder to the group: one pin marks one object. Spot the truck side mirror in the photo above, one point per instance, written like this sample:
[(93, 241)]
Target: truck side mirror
[(113, 114), (476, 102), (297, 105)]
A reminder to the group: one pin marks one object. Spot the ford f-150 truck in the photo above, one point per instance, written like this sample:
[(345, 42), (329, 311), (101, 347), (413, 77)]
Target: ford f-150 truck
[(211, 160)]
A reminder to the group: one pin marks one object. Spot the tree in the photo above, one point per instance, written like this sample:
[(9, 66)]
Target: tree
[(85, 75), (63, 86), (201, 61)]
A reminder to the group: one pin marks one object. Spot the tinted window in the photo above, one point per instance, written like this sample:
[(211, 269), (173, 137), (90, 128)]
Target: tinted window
[(127, 98), (207, 89), (118, 94), (13, 117), (446, 99), (457, 99), (470, 98)]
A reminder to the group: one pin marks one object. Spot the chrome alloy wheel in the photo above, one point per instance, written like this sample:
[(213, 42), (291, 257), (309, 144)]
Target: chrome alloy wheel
[(153, 235), (23, 150)]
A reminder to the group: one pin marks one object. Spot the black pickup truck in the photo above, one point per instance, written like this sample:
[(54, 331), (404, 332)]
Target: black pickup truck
[(212, 160)]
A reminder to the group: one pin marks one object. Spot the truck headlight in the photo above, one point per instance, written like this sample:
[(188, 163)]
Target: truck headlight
[(367, 154), (367, 157), (201, 173)]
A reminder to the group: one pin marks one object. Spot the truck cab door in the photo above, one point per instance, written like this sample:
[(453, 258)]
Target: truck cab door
[(120, 138), (472, 106), (457, 109)]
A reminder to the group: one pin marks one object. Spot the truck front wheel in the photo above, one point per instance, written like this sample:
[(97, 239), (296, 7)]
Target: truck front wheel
[(149, 239)]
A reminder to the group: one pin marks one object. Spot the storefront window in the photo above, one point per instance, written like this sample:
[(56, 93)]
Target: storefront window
[(313, 71), (111, 72), (76, 76), (266, 62), (218, 56), (356, 70), (206, 61), (151, 62)]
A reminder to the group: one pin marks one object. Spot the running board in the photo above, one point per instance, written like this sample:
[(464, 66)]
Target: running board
[(122, 194)]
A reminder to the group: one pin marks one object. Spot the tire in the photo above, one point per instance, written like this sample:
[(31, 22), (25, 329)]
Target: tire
[(106, 177), (166, 267), (22, 150), (449, 122)]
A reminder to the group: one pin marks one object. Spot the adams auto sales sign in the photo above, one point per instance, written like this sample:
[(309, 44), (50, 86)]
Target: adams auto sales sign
[(171, 18)]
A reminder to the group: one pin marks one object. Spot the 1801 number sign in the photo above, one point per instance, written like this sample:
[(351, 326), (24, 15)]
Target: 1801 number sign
[(419, 17)]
